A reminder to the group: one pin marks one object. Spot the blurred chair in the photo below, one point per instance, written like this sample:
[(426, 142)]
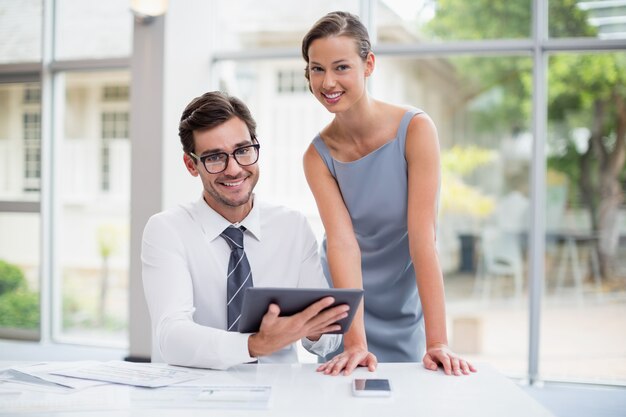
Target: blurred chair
[(500, 256), (501, 253), (511, 213), (563, 241)]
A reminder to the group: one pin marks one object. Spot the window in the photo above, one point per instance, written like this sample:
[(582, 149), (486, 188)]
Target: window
[(19, 275), (585, 231), (411, 22), (88, 29), (87, 131), (20, 31), (244, 25), (116, 93), (32, 95), (93, 209), (604, 19), (114, 126), (20, 221), (32, 151), (291, 81)]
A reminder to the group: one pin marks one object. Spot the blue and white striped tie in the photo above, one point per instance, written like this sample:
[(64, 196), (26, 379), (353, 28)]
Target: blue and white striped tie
[(239, 275)]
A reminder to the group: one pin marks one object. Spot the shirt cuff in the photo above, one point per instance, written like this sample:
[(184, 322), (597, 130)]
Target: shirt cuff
[(326, 344), (237, 349)]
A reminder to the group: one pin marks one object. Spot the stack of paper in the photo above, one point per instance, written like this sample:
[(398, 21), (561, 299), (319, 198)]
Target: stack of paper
[(69, 376), (36, 387), (148, 375)]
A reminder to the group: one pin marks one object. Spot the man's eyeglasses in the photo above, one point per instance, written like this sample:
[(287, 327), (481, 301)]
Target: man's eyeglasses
[(217, 162)]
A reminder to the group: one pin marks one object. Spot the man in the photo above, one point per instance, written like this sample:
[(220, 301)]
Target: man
[(198, 258)]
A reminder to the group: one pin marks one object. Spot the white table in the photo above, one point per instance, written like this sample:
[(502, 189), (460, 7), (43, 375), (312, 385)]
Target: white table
[(297, 390)]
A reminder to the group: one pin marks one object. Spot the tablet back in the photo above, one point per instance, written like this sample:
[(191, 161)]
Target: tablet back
[(256, 300)]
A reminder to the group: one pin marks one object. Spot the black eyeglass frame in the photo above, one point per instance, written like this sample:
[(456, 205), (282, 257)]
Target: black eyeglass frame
[(203, 158)]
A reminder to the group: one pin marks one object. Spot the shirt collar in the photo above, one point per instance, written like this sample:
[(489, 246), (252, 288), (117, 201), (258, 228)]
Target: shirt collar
[(214, 224)]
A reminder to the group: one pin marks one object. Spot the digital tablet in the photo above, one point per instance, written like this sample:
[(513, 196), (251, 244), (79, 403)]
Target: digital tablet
[(256, 300)]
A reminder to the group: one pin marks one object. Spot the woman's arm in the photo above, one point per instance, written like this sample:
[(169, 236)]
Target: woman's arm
[(422, 154), (344, 259)]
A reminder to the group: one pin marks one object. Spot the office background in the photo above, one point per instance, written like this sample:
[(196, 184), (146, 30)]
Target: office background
[(528, 96)]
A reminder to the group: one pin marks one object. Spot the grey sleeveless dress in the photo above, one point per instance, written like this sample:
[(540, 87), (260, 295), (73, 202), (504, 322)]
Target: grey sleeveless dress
[(374, 189)]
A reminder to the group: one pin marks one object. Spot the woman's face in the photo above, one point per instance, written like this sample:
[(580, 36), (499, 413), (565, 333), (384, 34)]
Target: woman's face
[(337, 73)]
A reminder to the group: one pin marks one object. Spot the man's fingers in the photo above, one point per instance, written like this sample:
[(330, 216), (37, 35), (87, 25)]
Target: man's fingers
[(272, 313), (328, 329), (314, 309), (323, 321), (327, 318)]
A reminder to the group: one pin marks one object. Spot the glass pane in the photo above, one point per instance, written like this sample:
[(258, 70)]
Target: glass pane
[(400, 21), (584, 318), (19, 275), (92, 243), (481, 107), (604, 19), (20, 141), (93, 29), (272, 24), (20, 31)]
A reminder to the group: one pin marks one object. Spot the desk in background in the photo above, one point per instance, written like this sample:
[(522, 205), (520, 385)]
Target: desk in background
[(569, 258), (297, 390)]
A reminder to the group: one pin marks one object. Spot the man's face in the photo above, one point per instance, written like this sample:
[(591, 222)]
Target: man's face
[(229, 192)]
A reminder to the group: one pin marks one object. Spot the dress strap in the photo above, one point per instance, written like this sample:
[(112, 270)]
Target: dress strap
[(324, 152), (404, 124)]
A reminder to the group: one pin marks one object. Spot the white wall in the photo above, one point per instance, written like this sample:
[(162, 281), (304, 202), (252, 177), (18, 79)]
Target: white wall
[(186, 76), (176, 42)]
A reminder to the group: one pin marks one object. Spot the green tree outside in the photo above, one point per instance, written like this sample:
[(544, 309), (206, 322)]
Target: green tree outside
[(19, 307), (584, 90), (11, 278)]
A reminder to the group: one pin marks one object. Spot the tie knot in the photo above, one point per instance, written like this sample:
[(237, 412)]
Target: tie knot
[(234, 237)]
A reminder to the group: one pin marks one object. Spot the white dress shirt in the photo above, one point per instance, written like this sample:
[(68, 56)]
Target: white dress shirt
[(185, 262)]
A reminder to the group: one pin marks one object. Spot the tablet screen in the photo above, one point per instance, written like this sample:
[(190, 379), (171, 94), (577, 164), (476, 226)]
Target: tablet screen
[(256, 300)]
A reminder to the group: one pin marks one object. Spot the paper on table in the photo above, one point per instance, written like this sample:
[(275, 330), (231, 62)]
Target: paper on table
[(44, 371), (188, 396), (236, 394), (13, 380), (128, 373)]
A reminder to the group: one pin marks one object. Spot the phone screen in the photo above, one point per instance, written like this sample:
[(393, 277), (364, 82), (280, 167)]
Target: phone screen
[(372, 384)]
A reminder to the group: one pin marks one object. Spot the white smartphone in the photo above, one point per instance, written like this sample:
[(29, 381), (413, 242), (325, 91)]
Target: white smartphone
[(371, 387)]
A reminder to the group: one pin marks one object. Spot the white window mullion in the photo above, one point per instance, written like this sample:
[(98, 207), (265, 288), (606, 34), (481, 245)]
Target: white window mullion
[(47, 157)]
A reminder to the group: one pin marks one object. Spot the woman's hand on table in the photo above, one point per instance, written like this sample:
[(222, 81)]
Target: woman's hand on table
[(440, 354), (348, 360)]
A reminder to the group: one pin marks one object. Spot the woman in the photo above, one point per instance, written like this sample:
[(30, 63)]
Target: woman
[(374, 173)]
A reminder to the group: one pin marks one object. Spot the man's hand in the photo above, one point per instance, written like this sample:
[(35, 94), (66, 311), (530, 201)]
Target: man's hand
[(277, 332)]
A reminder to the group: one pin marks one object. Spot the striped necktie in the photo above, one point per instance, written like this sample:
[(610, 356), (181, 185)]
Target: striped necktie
[(239, 275)]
